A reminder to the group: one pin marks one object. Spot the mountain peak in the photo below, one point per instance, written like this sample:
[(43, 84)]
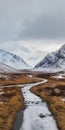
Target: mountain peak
[(53, 62), (63, 47), (13, 60)]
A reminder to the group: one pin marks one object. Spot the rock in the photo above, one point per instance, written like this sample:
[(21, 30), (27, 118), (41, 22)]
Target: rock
[(41, 115), (37, 102)]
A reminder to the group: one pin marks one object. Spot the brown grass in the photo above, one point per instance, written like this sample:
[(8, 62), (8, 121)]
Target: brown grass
[(17, 79), (52, 92), (12, 102), (12, 98)]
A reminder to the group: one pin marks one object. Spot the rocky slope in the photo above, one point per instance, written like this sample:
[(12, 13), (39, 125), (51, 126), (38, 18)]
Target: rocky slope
[(6, 69), (13, 60), (53, 62)]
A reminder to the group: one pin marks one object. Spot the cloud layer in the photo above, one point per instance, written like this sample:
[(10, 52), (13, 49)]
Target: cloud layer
[(32, 19), (32, 28)]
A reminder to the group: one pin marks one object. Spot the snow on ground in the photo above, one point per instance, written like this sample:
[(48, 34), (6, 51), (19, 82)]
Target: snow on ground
[(5, 76), (32, 120), (35, 107), (63, 99), (30, 76), (1, 93), (59, 76)]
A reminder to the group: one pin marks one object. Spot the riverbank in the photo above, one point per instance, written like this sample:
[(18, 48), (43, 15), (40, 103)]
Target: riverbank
[(19, 120), (11, 101), (15, 79), (53, 94), (36, 115)]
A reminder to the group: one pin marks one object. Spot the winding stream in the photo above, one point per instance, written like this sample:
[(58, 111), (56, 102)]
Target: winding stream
[(36, 116)]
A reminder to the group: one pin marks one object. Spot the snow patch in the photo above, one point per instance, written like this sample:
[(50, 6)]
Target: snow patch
[(63, 99)]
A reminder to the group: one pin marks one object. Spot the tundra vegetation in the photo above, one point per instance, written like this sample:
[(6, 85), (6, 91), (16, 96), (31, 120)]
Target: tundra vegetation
[(11, 98), (53, 92)]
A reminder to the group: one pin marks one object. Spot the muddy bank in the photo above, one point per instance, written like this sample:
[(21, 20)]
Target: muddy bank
[(18, 121), (11, 101)]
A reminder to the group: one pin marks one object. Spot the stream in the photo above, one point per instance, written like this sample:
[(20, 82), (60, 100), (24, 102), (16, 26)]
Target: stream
[(36, 116)]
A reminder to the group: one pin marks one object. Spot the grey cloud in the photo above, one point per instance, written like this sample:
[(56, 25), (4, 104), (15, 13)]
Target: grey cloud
[(32, 19), (48, 27), (24, 49)]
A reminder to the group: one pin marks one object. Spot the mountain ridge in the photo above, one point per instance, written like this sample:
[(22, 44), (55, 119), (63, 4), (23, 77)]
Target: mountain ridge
[(13, 60), (6, 69), (53, 62)]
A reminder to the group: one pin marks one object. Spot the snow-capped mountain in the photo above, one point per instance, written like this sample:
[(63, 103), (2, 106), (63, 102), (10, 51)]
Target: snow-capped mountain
[(13, 60), (6, 69), (35, 58), (53, 62), (31, 54)]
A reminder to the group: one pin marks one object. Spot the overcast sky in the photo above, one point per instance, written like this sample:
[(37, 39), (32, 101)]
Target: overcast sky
[(38, 24)]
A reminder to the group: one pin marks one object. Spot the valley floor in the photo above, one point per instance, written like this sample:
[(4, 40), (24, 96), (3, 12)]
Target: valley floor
[(11, 98), (12, 101), (53, 92)]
